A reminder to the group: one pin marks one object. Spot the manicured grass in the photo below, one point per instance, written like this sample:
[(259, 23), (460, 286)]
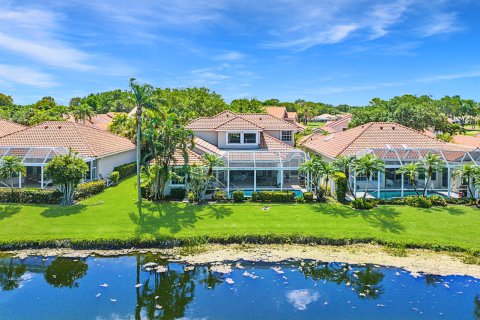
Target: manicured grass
[(470, 131), (114, 215), (314, 125)]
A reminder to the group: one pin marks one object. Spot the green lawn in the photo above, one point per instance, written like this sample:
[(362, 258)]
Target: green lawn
[(470, 131), (314, 125), (113, 215)]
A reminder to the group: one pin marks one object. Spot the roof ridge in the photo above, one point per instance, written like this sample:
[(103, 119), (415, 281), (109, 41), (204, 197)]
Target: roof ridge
[(238, 116), (94, 152), (367, 125), (24, 128), (283, 120)]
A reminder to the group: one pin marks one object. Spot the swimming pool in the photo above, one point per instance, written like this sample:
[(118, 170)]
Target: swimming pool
[(398, 194), (248, 193)]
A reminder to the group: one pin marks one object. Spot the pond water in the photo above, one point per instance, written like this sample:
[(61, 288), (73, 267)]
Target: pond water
[(148, 287)]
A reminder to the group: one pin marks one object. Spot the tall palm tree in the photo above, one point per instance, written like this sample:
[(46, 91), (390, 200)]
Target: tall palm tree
[(431, 163), (467, 172), (367, 165), (142, 98), (411, 170), (83, 112), (11, 166), (212, 160), (317, 169)]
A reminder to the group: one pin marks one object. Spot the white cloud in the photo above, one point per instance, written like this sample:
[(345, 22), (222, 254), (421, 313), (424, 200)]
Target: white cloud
[(230, 56), (440, 23), (451, 76), (300, 299), (25, 76)]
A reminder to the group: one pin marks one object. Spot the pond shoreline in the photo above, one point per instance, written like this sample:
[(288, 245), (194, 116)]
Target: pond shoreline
[(416, 260)]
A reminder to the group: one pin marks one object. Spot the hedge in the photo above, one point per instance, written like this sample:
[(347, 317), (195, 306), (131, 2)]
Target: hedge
[(238, 196), (273, 196), (308, 196), (341, 186), (30, 195), (126, 170), (88, 189)]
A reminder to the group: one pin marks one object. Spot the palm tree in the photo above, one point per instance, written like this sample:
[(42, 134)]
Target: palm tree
[(309, 168), (411, 170), (142, 98), (317, 169), (367, 165), (326, 171), (11, 166), (431, 163), (83, 112), (211, 161), (344, 164), (468, 172)]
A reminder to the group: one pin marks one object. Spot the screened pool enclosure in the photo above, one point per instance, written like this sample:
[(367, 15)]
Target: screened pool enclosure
[(35, 159), (391, 183)]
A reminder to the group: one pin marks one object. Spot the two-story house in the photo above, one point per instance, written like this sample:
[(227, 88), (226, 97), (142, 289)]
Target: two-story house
[(258, 151)]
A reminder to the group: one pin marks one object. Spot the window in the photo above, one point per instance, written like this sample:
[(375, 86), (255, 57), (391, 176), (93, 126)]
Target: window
[(249, 138), (286, 135), (234, 138)]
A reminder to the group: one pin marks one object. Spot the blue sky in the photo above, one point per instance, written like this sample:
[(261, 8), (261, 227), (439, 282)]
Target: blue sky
[(334, 51)]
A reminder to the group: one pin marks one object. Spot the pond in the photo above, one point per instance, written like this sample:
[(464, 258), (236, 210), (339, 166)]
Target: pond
[(149, 287)]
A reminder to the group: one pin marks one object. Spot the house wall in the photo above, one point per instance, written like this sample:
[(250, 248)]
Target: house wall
[(209, 136), (105, 165), (277, 134), (222, 143)]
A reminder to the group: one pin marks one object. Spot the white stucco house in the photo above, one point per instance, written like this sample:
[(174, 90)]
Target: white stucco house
[(37, 145)]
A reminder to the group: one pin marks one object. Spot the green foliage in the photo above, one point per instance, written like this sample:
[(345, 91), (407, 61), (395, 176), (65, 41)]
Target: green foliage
[(245, 105), (341, 186), (198, 182), (220, 195), (123, 125), (88, 189), (238, 196), (418, 202), (126, 170), (82, 113), (115, 177), (66, 172), (177, 193), (273, 196), (30, 196), (361, 204), (11, 166), (192, 197), (437, 200), (368, 165), (308, 196), (317, 169)]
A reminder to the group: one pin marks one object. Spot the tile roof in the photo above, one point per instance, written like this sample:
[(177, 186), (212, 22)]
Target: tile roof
[(270, 143), (467, 140), (277, 112), (228, 120), (205, 146), (85, 140), (343, 122), (292, 115), (193, 158), (8, 127), (373, 135), (99, 121)]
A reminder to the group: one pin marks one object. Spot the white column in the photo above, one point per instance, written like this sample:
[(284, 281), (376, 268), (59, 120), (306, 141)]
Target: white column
[(254, 180), (378, 185), (228, 181), (20, 180), (449, 182), (41, 177), (354, 184), (401, 193), (281, 179)]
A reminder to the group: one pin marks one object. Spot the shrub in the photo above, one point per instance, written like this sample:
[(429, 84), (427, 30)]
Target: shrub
[(341, 186), (88, 189), (178, 193), (238, 196), (300, 199), (418, 201), (191, 197), (273, 196), (438, 200), (308, 196), (457, 200), (359, 204), (27, 195), (220, 195), (115, 177), (126, 170)]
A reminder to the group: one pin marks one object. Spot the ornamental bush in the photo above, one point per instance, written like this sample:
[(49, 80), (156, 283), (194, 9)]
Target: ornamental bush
[(359, 204), (220, 196), (308, 196), (273, 196), (341, 186), (238, 196), (177, 193), (115, 177), (126, 170), (88, 189), (438, 200), (418, 202), (30, 196)]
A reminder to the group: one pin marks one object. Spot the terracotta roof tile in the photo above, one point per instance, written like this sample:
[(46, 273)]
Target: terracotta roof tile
[(467, 140), (270, 143), (85, 140), (238, 123), (8, 127), (99, 121), (206, 146), (277, 112), (193, 158), (373, 135), (343, 122)]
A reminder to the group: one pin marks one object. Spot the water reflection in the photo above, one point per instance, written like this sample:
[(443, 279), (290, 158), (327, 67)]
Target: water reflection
[(11, 274), (64, 272), (476, 307)]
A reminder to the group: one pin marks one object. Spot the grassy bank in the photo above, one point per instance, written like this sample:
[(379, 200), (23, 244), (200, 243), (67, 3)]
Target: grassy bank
[(111, 220)]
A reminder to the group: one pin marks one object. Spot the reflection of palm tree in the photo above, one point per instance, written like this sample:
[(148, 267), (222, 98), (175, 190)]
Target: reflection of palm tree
[(64, 272), (209, 279), (367, 283), (432, 280), (476, 307), (11, 275)]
